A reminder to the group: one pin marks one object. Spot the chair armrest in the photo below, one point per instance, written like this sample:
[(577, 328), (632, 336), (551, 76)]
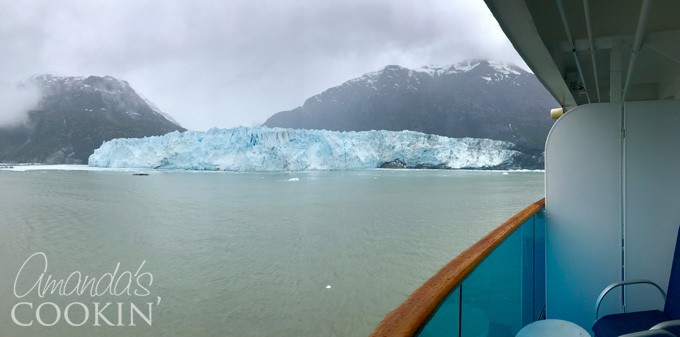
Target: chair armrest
[(649, 333), (619, 284), (666, 324)]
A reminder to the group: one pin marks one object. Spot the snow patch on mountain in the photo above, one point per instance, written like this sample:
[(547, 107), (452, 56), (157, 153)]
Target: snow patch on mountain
[(277, 149), (504, 68), (465, 67), (501, 71), (55, 84)]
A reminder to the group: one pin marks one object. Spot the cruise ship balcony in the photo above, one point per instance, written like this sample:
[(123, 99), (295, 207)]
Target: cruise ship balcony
[(612, 179), (610, 214), (494, 288)]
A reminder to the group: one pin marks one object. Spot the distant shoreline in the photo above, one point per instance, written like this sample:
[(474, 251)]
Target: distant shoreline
[(23, 167)]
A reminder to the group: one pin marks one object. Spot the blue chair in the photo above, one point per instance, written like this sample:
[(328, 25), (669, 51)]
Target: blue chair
[(625, 323), (650, 333)]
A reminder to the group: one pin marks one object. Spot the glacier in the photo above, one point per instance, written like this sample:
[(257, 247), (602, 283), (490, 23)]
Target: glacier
[(278, 149)]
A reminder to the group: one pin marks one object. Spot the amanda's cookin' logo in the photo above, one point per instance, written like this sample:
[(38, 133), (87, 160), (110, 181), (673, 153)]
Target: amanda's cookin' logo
[(78, 299)]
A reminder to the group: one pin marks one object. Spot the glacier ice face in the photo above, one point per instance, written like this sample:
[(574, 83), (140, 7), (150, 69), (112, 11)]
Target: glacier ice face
[(277, 149)]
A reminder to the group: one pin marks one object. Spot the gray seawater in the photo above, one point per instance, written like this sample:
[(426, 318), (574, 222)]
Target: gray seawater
[(242, 254)]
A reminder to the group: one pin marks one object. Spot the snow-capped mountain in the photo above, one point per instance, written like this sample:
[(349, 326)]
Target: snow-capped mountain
[(479, 99), (276, 149), (75, 115)]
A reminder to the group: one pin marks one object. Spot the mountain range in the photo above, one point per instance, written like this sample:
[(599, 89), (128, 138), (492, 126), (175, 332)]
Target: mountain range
[(475, 99), (75, 115), (478, 99)]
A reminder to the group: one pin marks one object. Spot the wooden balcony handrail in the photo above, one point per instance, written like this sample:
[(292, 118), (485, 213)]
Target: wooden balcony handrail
[(407, 319)]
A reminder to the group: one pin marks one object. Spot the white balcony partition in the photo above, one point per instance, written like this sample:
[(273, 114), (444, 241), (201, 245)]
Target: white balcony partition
[(612, 205), (652, 197), (583, 210)]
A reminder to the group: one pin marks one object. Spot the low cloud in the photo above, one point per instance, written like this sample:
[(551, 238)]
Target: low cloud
[(16, 101), (227, 63)]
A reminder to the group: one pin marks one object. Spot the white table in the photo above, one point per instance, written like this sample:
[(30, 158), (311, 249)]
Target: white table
[(552, 328)]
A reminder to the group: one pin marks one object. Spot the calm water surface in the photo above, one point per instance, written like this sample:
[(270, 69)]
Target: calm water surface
[(243, 254)]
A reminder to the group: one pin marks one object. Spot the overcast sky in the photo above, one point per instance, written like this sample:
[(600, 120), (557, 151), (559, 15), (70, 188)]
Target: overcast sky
[(232, 62)]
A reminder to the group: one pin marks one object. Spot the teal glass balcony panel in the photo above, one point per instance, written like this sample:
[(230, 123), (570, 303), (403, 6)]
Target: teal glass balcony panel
[(539, 268), (492, 294), (505, 292), (445, 321)]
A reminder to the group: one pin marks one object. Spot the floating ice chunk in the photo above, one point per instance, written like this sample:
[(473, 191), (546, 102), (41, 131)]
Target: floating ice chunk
[(328, 286), (294, 179)]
